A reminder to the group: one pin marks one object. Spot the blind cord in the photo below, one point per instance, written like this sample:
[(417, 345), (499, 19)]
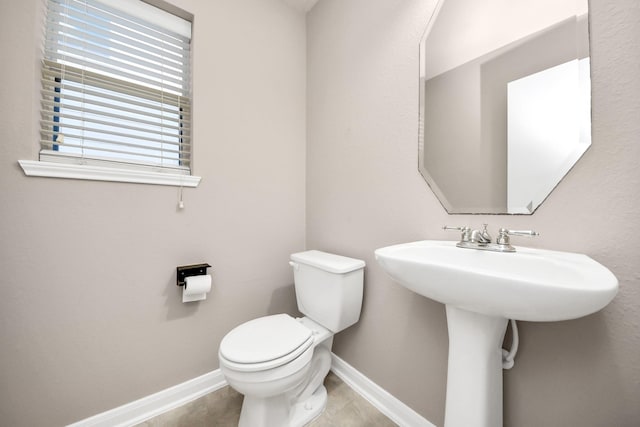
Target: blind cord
[(180, 201)]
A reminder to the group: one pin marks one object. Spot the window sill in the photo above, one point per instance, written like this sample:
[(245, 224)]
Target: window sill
[(98, 173)]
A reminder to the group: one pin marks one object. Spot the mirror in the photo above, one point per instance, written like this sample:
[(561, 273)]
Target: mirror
[(505, 101)]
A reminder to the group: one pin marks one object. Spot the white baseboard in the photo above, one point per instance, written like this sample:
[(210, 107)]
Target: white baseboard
[(155, 404), (393, 408)]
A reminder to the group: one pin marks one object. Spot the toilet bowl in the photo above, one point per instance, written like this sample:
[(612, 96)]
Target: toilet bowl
[(279, 362), (274, 381)]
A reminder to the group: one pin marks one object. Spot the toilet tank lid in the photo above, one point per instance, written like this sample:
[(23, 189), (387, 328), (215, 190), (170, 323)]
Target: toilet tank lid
[(329, 262)]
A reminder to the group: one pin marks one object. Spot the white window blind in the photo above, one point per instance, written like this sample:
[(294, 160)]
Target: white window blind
[(116, 86)]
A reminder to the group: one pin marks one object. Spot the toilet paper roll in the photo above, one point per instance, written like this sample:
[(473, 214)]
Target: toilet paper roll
[(196, 288)]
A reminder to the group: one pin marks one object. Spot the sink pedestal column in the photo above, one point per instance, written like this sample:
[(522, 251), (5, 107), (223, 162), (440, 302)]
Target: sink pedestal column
[(474, 373)]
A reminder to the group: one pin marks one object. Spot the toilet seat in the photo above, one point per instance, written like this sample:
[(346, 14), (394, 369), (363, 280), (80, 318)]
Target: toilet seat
[(265, 343)]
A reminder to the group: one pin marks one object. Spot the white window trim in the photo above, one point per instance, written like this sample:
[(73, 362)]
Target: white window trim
[(46, 169)]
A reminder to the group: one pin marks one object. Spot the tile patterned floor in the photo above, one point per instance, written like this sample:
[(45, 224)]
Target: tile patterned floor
[(345, 408)]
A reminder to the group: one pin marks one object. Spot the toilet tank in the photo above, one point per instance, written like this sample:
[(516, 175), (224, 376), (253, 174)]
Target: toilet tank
[(328, 288)]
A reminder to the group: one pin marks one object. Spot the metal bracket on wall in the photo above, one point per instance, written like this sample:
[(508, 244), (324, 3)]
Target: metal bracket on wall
[(185, 271)]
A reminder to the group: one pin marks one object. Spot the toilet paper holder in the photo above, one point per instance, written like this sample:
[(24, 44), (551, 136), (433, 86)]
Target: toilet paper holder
[(184, 271)]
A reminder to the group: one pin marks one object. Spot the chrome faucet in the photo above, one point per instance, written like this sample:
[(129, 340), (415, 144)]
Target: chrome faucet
[(481, 239)]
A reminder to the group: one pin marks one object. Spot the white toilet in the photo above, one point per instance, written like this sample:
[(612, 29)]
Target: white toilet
[(279, 363)]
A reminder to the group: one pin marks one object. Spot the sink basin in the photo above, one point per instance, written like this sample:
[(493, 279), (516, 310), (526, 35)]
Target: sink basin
[(530, 284), (481, 290)]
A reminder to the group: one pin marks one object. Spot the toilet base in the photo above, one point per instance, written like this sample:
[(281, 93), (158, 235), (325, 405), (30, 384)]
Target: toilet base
[(305, 412), (261, 412)]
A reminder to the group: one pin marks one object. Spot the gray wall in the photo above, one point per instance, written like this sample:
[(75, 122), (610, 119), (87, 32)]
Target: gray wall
[(364, 191), (90, 316)]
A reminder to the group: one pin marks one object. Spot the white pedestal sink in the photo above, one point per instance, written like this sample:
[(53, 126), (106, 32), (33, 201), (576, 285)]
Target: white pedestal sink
[(482, 290)]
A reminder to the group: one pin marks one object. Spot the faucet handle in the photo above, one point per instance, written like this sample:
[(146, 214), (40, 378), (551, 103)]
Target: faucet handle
[(466, 232), (449, 227), (503, 235), (519, 232)]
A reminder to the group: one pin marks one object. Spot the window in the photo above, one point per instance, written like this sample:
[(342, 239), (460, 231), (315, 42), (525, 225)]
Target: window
[(116, 87)]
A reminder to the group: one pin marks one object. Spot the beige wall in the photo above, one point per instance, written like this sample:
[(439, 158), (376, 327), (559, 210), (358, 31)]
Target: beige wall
[(90, 316), (364, 191)]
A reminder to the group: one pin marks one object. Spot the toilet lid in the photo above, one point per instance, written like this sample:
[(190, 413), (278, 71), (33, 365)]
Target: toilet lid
[(265, 339)]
